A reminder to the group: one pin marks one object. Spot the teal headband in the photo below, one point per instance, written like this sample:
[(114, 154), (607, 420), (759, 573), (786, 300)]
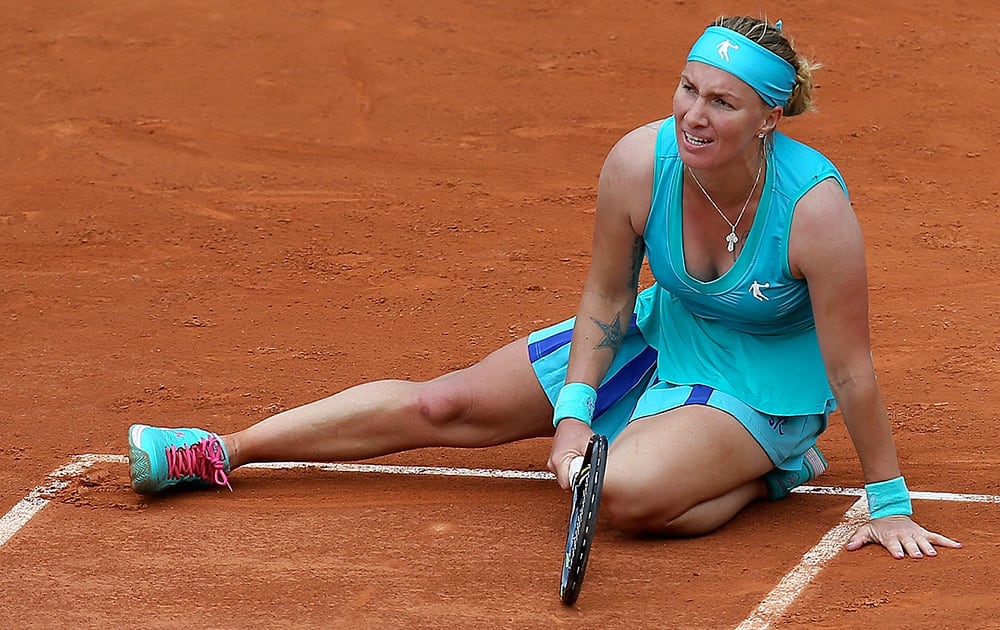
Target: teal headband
[(768, 74)]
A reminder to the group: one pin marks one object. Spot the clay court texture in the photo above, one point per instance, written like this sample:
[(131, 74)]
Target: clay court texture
[(213, 211)]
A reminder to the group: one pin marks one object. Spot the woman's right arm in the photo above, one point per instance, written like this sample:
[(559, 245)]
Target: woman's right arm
[(609, 293)]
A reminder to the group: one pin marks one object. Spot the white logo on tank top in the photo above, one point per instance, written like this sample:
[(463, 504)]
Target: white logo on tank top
[(756, 290)]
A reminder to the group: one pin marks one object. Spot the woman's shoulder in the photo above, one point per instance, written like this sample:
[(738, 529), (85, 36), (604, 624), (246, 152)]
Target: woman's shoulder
[(635, 150), (799, 166), (647, 134), (625, 183), (796, 151)]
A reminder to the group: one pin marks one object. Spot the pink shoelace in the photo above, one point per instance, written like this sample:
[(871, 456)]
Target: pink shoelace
[(203, 460)]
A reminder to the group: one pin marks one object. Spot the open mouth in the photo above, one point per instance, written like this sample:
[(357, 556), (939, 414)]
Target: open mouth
[(695, 140)]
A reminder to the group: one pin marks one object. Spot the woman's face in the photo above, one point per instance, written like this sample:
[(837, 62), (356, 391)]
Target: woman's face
[(718, 117)]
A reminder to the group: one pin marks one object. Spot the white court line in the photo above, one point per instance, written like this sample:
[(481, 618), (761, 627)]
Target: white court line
[(923, 496), (770, 609), (796, 580), (25, 509), (410, 470)]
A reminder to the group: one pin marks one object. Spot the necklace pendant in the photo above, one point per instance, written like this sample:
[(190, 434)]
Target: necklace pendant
[(731, 241)]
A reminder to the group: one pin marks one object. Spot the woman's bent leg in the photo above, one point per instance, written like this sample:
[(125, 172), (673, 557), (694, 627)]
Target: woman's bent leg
[(683, 472), (710, 515)]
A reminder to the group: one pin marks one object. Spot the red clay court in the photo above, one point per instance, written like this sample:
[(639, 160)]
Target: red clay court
[(210, 212)]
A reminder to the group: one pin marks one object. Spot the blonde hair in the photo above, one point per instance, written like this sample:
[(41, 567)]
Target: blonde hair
[(772, 38)]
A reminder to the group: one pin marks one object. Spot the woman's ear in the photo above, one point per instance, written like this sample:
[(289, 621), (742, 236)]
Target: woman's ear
[(771, 121)]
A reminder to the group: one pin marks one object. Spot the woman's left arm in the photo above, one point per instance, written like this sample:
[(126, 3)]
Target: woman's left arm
[(827, 249)]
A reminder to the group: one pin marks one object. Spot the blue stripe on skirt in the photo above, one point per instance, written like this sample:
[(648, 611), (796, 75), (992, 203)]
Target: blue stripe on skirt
[(633, 367), (699, 395), (622, 382)]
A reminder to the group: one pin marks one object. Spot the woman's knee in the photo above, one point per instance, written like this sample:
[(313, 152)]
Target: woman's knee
[(443, 402), (670, 509), (633, 508), (662, 515)]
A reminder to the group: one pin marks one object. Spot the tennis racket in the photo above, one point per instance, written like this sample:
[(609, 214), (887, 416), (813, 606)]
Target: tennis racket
[(587, 484)]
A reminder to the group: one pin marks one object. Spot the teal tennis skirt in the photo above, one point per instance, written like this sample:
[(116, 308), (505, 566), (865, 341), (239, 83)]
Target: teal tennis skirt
[(631, 391)]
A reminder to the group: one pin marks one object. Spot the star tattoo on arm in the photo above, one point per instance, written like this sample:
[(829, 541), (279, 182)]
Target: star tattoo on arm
[(614, 336)]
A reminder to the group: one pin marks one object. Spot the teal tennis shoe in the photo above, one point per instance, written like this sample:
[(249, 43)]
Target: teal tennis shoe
[(780, 483), (161, 458)]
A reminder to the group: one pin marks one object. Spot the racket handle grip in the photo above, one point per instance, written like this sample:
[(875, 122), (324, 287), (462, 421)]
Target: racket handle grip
[(574, 468)]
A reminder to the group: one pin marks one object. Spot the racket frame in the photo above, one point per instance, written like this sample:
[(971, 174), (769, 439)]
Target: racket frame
[(587, 487)]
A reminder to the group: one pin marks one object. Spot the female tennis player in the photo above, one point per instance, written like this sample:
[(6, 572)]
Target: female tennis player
[(712, 385)]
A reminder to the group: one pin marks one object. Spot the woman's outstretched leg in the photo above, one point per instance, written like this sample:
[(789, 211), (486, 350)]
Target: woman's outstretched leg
[(495, 401)]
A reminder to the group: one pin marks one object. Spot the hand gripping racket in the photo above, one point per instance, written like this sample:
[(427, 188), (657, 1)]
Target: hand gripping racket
[(587, 484)]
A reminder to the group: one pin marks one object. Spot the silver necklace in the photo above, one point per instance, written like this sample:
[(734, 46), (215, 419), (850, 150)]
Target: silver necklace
[(731, 239)]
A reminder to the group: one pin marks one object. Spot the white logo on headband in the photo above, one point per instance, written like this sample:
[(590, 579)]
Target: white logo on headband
[(724, 47)]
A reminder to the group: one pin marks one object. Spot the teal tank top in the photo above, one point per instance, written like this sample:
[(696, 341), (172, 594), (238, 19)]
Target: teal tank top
[(750, 332)]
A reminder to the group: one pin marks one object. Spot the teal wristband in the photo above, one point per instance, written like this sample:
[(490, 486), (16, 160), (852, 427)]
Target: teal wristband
[(577, 401), (888, 498)]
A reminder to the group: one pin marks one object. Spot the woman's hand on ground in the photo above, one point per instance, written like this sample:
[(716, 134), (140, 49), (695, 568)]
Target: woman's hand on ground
[(901, 537)]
